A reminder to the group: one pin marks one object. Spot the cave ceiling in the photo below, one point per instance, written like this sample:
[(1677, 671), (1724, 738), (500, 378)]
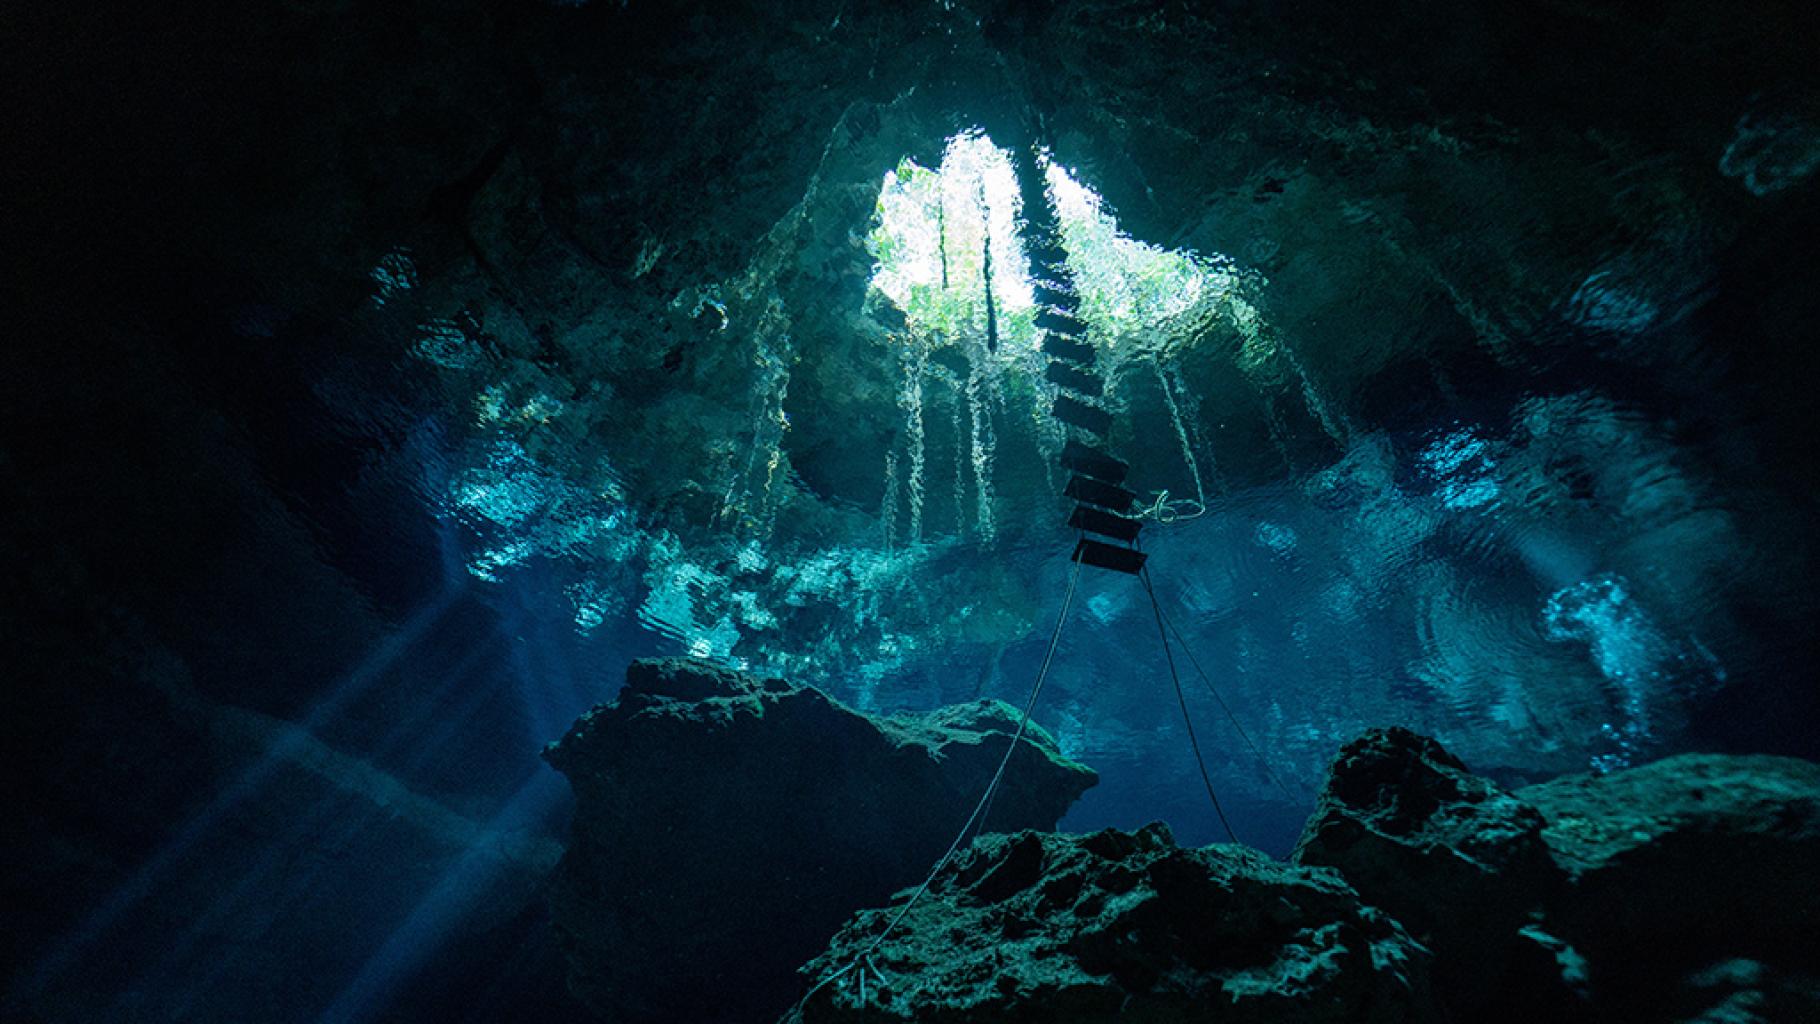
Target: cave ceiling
[(618, 269)]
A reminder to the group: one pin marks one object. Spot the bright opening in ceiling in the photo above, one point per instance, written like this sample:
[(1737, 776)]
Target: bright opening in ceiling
[(949, 244), (946, 238)]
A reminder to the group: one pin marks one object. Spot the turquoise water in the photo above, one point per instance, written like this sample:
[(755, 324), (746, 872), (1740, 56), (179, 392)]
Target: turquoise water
[(1543, 550)]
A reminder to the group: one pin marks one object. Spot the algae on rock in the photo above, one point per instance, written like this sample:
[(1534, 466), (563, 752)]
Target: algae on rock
[(726, 825), (1125, 926)]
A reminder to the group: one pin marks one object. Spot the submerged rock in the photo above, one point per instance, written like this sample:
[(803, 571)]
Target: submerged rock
[(1679, 889), (1454, 857), (1686, 863), (1741, 991), (725, 826), (1124, 926)]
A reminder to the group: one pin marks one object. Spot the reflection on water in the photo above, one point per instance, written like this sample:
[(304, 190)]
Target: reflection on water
[(1533, 592), (1513, 540)]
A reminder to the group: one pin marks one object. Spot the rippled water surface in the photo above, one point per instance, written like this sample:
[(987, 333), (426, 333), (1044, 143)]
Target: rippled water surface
[(1541, 534)]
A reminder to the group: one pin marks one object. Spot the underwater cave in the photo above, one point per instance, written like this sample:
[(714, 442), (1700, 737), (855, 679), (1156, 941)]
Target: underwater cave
[(945, 511)]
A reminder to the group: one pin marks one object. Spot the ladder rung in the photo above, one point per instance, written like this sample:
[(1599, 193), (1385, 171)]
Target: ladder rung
[(1066, 301), (1090, 461), (1076, 413), (1078, 381), (1066, 348), (1106, 524), (1107, 496), (1106, 556), (1061, 323)]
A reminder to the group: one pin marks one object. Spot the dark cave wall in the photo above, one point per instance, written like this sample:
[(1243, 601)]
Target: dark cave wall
[(247, 165), (273, 151)]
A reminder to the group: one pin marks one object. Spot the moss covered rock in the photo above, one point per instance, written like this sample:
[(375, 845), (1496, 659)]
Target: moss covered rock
[(1124, 926), (1453, 856), (725, 825), (1676, 869), (1676, 890)]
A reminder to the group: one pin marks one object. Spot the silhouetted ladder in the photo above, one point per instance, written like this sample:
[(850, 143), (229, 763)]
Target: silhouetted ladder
[(1090, 461), (1097, 477)]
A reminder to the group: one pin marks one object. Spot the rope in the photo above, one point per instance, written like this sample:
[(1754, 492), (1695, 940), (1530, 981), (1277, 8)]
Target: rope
[(1182, 700), (1055, 638), (1054, 641), (795, 1012), (1165, 510), (1263, 762)]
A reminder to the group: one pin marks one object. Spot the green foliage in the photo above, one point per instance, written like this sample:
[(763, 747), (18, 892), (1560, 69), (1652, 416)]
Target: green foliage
[(933, 228), (930, 240)]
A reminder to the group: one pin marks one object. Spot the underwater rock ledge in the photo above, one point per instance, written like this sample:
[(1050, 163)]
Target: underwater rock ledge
[(726, 825), (1678, 891), (1127, 926)]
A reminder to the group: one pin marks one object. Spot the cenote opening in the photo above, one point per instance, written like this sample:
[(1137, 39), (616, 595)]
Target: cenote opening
[(963, 511)]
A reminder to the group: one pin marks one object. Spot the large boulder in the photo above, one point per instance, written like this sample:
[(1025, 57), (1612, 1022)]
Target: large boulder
[(1122, 926), (1671, 891), (1452, 856), (725, 826), (1688, 868), (1743, 991)]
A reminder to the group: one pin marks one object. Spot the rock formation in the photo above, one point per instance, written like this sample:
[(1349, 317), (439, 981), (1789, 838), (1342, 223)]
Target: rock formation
[(1691, 884), (376, 370), (1125, 926), (1678, 891), (725, 826), (1661, 892), (1449, 854)]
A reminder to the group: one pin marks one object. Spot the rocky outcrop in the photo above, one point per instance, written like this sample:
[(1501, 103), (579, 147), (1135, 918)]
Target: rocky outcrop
[(1699, 867), (1677, 890), (725, 826), (1680, 891), (1743, 991), (1124, 926), (1458, 860)]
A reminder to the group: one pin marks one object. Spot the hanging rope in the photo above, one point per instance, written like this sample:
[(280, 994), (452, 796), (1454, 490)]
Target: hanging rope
[(979, 811), (863, 962), (1055, 637), (1263, 762), (1176, 678)]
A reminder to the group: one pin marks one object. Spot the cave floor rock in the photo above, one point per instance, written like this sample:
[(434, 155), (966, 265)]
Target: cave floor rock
[(1125, 926), (1670, 891), (1678, 891), (725, 826)]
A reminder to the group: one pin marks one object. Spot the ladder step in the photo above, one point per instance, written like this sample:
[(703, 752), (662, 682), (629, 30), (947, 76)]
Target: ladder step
[(1049, 254), (1105, 556), (1090, 461), (1107, 496), (1061, 323), (1080, 382), (1065, 348), (1076, 413), (1106, 524), (1066, 301)]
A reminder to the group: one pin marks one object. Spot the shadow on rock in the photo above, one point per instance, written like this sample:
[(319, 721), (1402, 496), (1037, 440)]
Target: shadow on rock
[(1680, 890), (725, 826), (1126, 926)]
